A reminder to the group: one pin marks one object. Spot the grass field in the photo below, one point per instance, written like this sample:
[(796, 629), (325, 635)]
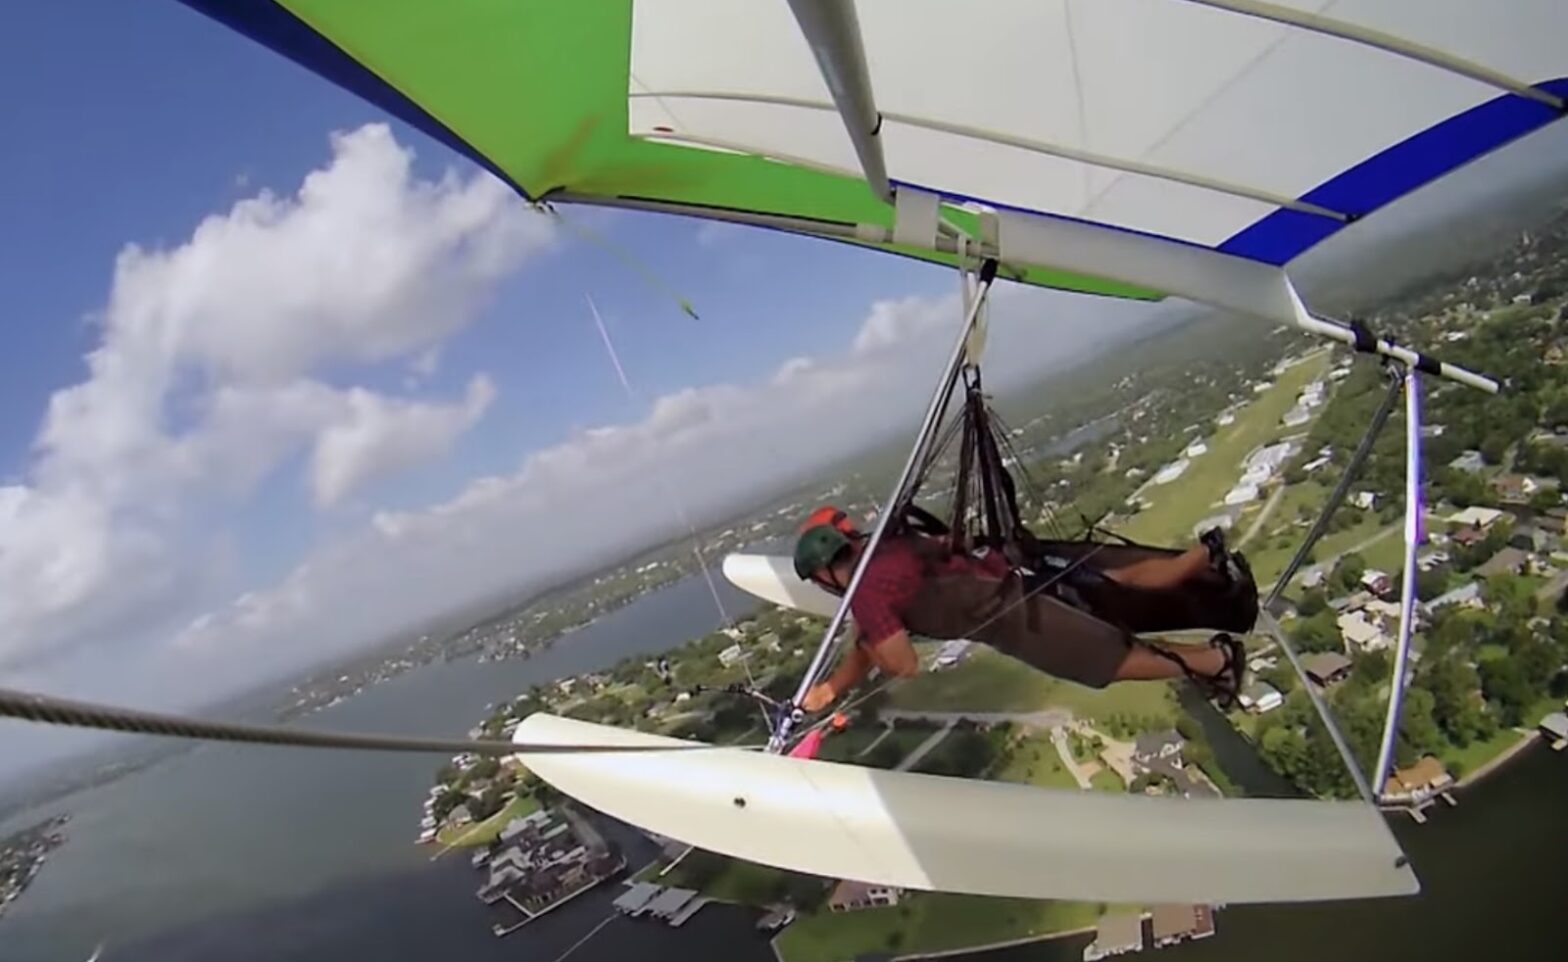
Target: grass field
[(983, 681), (1176, 507), (1476, 754), (1106, 780), (927, 922), (485, 832), (1034, 761)]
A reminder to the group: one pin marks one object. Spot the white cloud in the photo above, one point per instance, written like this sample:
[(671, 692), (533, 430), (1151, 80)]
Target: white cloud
[(203, 380), (378, 435), (578, 503)]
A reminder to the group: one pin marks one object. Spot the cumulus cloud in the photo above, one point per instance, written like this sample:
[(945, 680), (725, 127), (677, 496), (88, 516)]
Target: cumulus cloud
[(378, 435), (206, 377), (578, 503)]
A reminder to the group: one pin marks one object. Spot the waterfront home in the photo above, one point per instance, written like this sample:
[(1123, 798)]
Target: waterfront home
[(1419, 782), (731, 656), (849, 896), (1555, 726), (1377, 582), (1178, 923), (1116, 933)]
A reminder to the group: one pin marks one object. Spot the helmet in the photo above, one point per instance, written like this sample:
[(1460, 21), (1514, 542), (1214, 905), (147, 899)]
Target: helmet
[(817, 547), (831, 516)]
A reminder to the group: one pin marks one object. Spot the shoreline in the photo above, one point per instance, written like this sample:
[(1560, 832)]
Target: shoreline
[(995, 946), (1499, 760)]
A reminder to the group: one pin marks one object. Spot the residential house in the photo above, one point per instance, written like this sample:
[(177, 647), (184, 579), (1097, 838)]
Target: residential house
[(1506, 561), (1377, 582), (1469, 461), (1476, 516), (1360, 633), (850, 896), (732, 655), (1116, 933), (1468, 536), (1326, 667), (1514, 488), (1313, 578), (1152, 747), (1365, 500), (1260, 697), (1419, 782), (1468, 594), (1178, 923)]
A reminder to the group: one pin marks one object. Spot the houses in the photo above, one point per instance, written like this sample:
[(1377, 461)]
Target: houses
[(731, 656), (1377, 582), (1260, 697), (1514, 488), (1507, 561), (1469, 461), (1325, 668), (1365, 500), (1170, 472), (1555, 726), (1116, 933), (1476, 517), (1195, 449), (1160, 753), (848, 896), (1468, 595), (1419, 782), (1360, 633), (1178, 923), (1241, 494)]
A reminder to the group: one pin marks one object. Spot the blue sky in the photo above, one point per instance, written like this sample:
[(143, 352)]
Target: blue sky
[(136, 142)]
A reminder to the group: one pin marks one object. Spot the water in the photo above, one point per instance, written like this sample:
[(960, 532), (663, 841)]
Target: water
[(1492, 887), (310, 850), (243, 854)]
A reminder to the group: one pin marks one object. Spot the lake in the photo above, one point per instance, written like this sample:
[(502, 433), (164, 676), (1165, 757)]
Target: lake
[(241, 853)]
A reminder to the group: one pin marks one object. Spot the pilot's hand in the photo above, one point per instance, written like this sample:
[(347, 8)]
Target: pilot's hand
[(818, 697)]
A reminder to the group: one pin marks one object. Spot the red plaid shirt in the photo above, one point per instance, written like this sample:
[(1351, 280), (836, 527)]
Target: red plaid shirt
[(893, 579)]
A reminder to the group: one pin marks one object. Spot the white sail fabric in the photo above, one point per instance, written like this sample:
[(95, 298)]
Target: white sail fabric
[(988, 838), (1180, 86)]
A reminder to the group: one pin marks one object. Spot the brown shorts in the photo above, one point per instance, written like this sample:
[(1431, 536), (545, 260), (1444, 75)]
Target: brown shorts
[(1040, 631)]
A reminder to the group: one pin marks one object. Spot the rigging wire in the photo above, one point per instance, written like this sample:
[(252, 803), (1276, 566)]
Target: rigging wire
[(49, 710), (681, 514)]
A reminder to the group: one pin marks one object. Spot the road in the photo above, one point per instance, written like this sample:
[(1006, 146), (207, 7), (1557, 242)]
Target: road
[(1059, 739), (1263, 515)]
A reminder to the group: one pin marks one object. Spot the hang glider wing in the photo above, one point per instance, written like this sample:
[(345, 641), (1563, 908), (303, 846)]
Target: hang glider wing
[(989, 838), (1134, 148)]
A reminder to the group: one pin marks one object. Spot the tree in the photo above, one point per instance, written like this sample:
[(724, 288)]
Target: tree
[(1416, 725), (1282, 677), (485, 768), (1431, 584), (1312, 601), (1505, 685), (1317, 633), (1371, 668), (1348, 571)]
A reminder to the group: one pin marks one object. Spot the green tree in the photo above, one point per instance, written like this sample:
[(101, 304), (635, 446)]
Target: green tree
[(1506, 686), (1312, 601), (1348, 571), (1317, 633), (1431, 584)]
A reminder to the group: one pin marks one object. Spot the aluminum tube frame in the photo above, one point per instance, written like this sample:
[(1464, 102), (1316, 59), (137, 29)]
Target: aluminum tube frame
[(832, 31), (1414, 535), (1247, 287), (1346, 478), (928, 430)]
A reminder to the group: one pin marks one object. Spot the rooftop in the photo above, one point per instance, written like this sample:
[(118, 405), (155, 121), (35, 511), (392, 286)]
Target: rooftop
[(1325, 664), (1119, 932)]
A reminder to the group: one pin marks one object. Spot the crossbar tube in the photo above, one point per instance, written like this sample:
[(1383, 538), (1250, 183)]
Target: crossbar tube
[(833, 32), (1407, 593), (928, 429)]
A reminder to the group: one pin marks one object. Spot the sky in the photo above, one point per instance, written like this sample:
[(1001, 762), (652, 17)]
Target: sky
[(282, 374)]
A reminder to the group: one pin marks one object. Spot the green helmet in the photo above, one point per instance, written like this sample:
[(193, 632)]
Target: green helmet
[(817, 547)]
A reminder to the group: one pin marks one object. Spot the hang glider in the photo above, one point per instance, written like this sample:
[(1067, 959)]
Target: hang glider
[(985, 838), (1136, 149)]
